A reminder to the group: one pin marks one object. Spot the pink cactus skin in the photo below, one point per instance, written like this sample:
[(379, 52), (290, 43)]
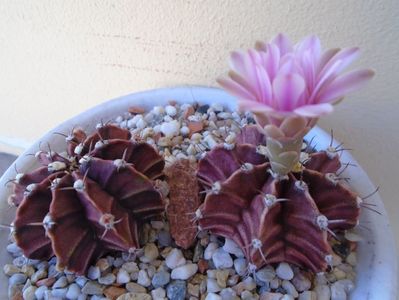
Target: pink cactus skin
[(275, 220), (91, 203)]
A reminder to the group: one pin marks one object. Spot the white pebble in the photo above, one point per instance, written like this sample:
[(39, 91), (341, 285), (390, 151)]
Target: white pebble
[(228, 294), (231, 247), (351, 259), (158, 110), (289, 287), (175, 259), (210, 141), (221, 259), (212, 286), (184, 130), (122, 276), (29, 293), (141, 124), (171, 110), (217, 107), (322, 292), (240, 266), (337, 292), (93, 273), (73, 291), (150, 253), (170, 129), (210, 249), (308, 295), (184, 272), (143, 279), (213, 296), (284, 271), (157, 128), (60, 293), (158, 294), (39, 293), (60, 283), (191, 150)]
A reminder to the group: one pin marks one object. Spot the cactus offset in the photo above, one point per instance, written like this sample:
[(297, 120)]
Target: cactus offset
[(274, 218), (90, 203)]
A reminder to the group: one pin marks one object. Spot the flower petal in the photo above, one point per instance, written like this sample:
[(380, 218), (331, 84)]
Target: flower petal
[(253, 106), (346, 56), (283, 43), (234, 88), (264, 85), (309, 44), (325, 58), (345, 84), (314, 111), (287, 88)]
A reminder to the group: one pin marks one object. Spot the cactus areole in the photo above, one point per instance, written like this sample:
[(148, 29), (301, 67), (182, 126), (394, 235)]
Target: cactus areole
[(277, 203), (88, 202)]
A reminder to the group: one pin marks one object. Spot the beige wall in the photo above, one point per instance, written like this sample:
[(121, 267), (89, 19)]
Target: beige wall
[(58, 58)]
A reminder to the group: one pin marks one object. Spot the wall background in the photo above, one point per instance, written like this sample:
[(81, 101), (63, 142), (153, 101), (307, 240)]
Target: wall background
[(58, 58)]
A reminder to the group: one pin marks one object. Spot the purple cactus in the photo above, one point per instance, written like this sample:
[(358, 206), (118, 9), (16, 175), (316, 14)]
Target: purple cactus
[(89, 203), (275, 218)]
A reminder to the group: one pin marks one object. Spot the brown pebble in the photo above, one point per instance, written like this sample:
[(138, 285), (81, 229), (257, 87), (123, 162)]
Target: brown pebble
[(195, 127), (136, 110), (172, 102), (114, 292), (202, 266), (189, 112), (46, 281), (18, 296)]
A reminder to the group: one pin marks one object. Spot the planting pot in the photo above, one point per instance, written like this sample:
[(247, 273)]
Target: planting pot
[(377, 262)]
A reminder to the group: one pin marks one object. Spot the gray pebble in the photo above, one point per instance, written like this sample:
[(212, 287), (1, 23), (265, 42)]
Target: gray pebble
[(122, 276), (222, 259), (93, 273), (10, 269), (266, 274), (92, 288), (60, 293), (164, 238), (133, 287), (160, 279), (143, 278), (81, 281), (17, 279), (107, 279), (176, 290), (284, 271)]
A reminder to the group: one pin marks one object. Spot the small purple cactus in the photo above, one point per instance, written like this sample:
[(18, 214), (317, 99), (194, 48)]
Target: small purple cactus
[(275, 218), (89, 203)]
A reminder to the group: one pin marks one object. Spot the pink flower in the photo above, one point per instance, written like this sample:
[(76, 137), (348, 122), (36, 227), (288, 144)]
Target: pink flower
[(280, 80)]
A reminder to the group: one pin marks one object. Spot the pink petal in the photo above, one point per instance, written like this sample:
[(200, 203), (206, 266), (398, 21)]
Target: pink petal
[(235, 88), (346, 56), (250, 87), (325, 58), (287, 88), (272, 60), (309, 44), (253, 106), (314, 111), (283, 43), (345, 84), (265, 85)]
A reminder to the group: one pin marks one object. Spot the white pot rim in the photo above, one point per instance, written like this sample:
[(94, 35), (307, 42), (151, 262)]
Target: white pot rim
[(377, 260)]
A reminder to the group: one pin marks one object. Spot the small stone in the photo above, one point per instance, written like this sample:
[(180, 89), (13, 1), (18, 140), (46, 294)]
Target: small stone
[(275, 283), (122, 276), (193, 289), (135, 288), (202, 266), (59, 293), (351, 259), (134, 296), (307, 295), (322, 292), (46, 282), (28, 270), (270, 296), (39, 293), (171, 110), (247, 295), (184, 272), (338, 292), (10, 269), (158, 294), (195, 126), (81, 281), (73, 291), (143, 278), (175, 259), (231, 247), (212, 286), (103, 264), (210, 141), (347, 284), (150, 253), (176, 290), (221, 277), (136, 110), (113, 292), (60, 283), (287, 297), (29, 293), (339, 274), (232, 280), (92, 288), (39, 274), (222, 259), (301, 282), (210, 249), (266, 274), (203, 109), (284, 271), (213, 296), (160, 279), (14, 249), (107, 279), (16, 279), (289, 287), (228, 294)]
